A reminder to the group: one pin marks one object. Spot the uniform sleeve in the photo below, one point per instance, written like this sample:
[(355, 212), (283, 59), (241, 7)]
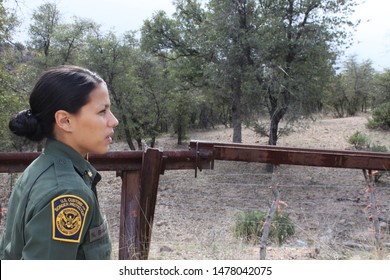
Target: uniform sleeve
[(56, 230)]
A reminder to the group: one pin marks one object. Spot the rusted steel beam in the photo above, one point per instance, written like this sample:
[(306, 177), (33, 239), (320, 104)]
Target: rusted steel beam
[(114, 161), (191, 159), (111, 161), (202, 154), (15, 162), (130, 216), (150, 176), (295, 156)]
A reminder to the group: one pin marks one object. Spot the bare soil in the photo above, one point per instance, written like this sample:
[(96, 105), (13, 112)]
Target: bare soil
[(194, 217)]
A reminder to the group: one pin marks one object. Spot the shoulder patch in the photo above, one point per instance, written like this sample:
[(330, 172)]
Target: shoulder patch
[(68, 217)]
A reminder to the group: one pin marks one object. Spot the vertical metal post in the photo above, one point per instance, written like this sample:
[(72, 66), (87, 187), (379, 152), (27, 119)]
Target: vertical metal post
[(138, 201), (151, 169), (129, 231)]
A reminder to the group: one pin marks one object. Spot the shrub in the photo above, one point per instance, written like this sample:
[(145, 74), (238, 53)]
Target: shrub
[(379, 148), (359, 140), (380, 117), (248, 226)]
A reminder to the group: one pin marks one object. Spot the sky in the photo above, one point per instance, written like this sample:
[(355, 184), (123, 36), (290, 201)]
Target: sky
[(371, 40)]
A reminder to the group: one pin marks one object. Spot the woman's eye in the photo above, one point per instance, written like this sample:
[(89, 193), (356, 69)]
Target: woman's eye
[(102, 112)]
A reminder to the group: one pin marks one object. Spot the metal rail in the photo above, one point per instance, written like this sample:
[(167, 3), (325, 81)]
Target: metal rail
[(295, 156)]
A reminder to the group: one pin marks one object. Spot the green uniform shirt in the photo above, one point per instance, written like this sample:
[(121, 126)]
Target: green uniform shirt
[(53, 212)]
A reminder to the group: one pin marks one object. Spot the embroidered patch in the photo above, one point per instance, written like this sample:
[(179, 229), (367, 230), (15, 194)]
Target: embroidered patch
[(68, 214)]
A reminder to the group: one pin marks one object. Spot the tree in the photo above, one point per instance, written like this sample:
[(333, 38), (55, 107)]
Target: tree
[(276, 55), (297, 59), (12, 98), (335, 98), (358, 79), (68, 40), (155, 88), (8, 23), (45, 21), (137, 82), (180, 41), (352, 89), (146, 95), (212, 44), (233, 26), (105, 55)]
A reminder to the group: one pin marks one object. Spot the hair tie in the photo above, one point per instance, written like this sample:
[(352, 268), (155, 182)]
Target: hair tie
[(29, 113)]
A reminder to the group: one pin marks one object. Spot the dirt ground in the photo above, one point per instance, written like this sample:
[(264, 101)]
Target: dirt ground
[(194, 217)]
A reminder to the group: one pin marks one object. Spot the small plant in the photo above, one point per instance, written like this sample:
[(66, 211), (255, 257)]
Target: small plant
[(248, 226), (359, 140), (379, 148), (284, 227)]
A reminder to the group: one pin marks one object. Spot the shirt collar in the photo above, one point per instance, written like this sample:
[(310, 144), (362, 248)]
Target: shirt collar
[(83, 167)]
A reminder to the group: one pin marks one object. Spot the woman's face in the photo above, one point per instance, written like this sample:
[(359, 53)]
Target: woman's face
[(93, 126)]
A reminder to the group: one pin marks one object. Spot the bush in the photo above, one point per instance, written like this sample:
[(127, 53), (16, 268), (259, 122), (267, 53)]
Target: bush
[(248, 226), (380, 117), (379, 148), (359, 140)]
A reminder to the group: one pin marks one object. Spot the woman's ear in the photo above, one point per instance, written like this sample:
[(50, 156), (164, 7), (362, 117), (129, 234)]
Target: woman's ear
[(63, 120)]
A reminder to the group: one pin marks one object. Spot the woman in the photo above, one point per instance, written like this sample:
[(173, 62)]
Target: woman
[(53, 212)]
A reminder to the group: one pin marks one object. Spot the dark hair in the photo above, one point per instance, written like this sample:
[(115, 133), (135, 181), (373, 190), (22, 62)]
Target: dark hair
[(66, 88)]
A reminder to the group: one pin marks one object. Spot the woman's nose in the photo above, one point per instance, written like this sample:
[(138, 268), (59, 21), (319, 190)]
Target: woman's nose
[(113, 120)]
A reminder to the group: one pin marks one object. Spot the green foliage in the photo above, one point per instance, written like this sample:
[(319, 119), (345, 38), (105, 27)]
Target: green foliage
[(381, 90), (267, 56), (379, 148), (220, 62), (380, 117), (45, 21), (359, 140), (11, 84), (350, 91), (248, 226), (8, 23)]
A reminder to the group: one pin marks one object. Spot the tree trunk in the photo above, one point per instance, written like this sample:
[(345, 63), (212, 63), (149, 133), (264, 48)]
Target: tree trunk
[(273, 133), (179, 134), (129, 139), (153, 141), (118, 103), (236, 112)]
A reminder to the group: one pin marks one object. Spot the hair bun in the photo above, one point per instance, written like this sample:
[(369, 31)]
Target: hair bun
[(26, 124)]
